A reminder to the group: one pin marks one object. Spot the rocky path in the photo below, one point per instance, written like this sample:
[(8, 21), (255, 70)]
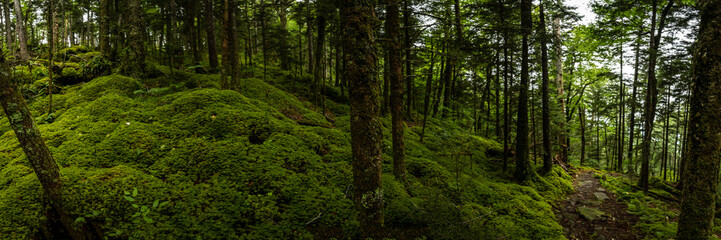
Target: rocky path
[(591, 212)]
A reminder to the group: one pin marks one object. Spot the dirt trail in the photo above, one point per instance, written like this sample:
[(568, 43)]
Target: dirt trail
[(592, 212)]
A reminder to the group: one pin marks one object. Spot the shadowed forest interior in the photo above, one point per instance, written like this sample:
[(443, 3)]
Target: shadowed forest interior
[(360, 119)]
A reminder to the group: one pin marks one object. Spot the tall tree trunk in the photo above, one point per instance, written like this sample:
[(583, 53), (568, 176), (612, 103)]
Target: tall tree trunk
[(21, 32), (632, 121), (522, 168), (359, 21), (319, 53), (134, 62), (230, 50), (9, 36), (506, 112), (701, 175), (582, 122), (409, 65), (190, 30), (393, 27), (651, 92), (210, 35), (559, 86), (546, 112), (427, 100), (104, 29), (309, 35), (621, 123), (666, 133)]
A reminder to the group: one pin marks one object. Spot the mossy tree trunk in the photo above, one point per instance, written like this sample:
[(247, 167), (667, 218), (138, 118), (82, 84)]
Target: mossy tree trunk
[(522, 167), (33, 145), (393, 28), (702, 167), (359, 20), (134, 62)]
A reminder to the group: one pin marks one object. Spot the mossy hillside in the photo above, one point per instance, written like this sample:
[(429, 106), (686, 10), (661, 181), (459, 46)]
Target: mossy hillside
[(220, 164)]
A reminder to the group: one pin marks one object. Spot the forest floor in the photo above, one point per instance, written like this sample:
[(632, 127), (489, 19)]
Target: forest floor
[(592, 212)]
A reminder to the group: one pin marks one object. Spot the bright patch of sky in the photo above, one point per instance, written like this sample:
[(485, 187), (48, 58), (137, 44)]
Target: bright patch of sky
[(583, 8)]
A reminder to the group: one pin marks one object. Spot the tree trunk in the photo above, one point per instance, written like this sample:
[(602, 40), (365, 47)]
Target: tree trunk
[(621, 123), (702, 170), (104, 29), (409, 65), (651, 92), (229, 75), (21, 32), (427, 100), (632, 121), (33, 145), (135, 59), (9, 36), (522, 168), (210, 35), (358, 21), (309, 35), (546, 112), (559, 85), (319, 53), (393, 28), (582, 122)]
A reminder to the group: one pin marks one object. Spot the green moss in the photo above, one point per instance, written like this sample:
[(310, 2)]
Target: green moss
[(254, 164)]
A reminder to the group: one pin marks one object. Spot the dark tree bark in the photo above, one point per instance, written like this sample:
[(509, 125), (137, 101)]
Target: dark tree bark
[(546, 111), (104, 29), (393, 28), (210, 35), (409, 65), (651, 92), (702, 168), (21, 32), (309, 35), (427, 100), (319, 53), (9, 36), (229, 76), (359, 21), (522, 167), (190, 32)]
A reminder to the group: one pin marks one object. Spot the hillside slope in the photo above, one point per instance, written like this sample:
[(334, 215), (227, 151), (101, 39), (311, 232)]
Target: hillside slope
[(174, 157)]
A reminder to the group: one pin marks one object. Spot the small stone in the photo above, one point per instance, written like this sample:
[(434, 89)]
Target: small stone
[(600, 196), (590, 214), (601, 189)]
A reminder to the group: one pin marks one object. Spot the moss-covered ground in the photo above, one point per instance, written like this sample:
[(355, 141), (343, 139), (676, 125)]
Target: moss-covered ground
[(658, 210), (174, 157)]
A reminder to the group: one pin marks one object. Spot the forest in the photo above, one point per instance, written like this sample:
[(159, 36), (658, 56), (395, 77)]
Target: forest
[(360, 119)]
